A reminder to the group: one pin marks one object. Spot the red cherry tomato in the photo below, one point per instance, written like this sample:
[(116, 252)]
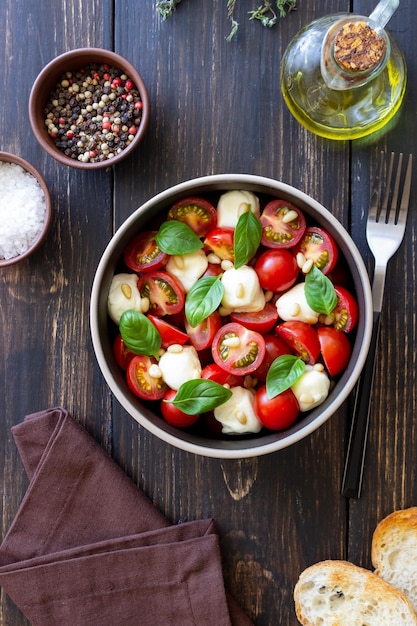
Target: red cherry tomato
[(318, 245), (164, 291), (173, 415), (141, 383), (276, 413), (274, 347), (283, 224), (219, 375), (262, 322), (335, 349), (346, 311), (198, 213), (277, 270), (201, 336), (221, 242), (122, 354), (169, 333), (237, 349), (301, 338), (142, 254)]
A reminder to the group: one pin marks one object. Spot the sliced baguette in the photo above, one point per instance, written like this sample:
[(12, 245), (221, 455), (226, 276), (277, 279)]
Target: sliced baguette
[(394, 551), (338, 593)]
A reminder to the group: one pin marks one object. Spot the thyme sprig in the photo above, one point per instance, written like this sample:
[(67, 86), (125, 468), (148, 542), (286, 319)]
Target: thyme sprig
[(166, 7), (265, 13)]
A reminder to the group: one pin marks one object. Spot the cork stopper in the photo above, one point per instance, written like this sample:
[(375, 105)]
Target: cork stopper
[(358, 47)]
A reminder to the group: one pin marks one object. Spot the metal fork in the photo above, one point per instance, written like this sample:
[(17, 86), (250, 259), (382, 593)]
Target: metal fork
[(384, 232)]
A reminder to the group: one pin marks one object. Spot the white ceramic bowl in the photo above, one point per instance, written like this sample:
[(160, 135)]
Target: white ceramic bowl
[(101, 325)]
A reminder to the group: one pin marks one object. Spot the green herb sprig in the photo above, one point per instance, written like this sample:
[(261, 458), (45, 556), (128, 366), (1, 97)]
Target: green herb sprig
[(265, 13)]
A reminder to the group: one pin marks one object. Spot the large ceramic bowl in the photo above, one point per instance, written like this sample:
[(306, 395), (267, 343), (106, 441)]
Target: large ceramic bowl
[(77, 62), (103, 332)]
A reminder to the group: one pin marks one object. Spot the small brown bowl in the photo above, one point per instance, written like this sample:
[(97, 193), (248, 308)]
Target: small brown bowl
[(5, 157), (73, 61)]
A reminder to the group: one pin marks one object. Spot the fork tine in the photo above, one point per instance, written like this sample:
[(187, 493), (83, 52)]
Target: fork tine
[(405, 198), (385, 212), (375, 205), (394, 201)]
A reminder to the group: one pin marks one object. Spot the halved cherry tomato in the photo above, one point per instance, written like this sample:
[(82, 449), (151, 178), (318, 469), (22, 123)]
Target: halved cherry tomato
[(141, 383), (346, 311), (277, 270), (198, 213), (262, 321), (201, 336), (173, 415), (301, 338), (276, 413), (283, 224), (274, 347), (164, 291), (318, 245), (237, 349), (219, 375), (169, 333), (335, 349), (221, 242), (122, 354), (143, 254)]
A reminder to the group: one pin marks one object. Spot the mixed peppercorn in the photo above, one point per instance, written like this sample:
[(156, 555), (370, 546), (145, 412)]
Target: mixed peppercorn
[(94, 113)]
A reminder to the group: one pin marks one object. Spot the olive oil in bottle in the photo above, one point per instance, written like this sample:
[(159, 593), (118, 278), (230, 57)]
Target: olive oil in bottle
[(343, 76)]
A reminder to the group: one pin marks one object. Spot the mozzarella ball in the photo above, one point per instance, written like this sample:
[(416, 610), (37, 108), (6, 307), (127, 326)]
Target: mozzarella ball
[(312, 388), (292, 305), (232, 204), (124, 295), (179, 364), (188, 268), (237, 415), (242, 291)]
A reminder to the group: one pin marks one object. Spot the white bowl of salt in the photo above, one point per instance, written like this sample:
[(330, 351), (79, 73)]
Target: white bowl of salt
[(25, 209)]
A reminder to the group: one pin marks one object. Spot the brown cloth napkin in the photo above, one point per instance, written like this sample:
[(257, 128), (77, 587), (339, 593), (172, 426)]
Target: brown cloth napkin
[(87, 548)]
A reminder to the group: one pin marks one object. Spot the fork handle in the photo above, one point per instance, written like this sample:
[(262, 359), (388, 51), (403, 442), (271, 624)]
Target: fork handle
[(355, 459)]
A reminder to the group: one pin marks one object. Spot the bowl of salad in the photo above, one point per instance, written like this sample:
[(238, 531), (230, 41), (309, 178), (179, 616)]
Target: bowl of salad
[(231, 315)]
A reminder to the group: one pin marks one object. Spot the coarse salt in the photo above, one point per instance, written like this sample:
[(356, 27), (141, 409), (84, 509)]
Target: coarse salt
[(22, 210)]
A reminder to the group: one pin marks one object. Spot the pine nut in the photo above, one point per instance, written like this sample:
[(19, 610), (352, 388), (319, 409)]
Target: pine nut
[(240, 290), (307, 266), (290, 216), (295, 309), (126, 290), (175, 348), (155, 371), (231, 342)]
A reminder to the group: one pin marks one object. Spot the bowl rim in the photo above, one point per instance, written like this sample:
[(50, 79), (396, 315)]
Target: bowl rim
[(47, 78), (224, 181), (7, 157)]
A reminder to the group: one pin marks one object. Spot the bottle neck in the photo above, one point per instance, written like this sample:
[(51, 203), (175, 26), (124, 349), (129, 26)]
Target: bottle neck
[(353, 53)]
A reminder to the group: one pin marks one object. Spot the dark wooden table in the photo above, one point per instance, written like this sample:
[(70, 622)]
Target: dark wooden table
[(216, 107)]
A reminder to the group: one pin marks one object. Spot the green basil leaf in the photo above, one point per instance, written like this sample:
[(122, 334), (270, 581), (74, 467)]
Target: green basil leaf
[(174, 237), (283, 373), (200, 395), (139, 334), (248, 233), (203, 299), (319, 291)]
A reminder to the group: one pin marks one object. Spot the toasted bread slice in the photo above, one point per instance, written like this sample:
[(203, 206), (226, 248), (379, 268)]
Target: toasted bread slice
[(338, 593), (394, 551)]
